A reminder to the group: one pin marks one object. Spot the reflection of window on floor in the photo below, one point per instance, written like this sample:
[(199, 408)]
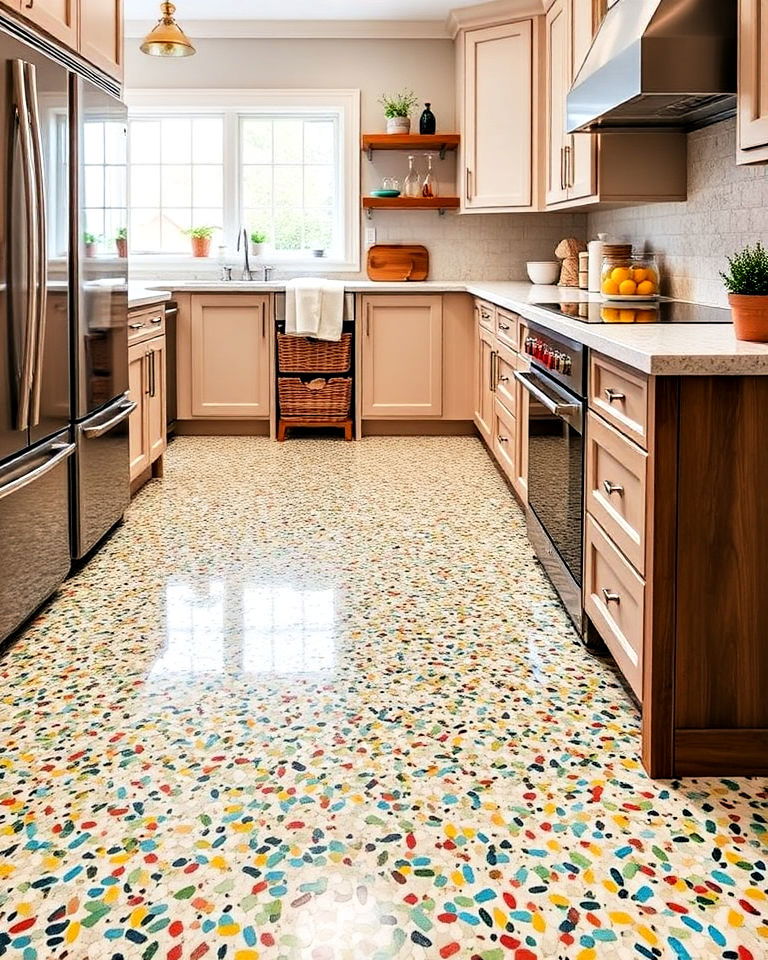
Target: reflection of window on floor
[(195, 631), (287, 630)]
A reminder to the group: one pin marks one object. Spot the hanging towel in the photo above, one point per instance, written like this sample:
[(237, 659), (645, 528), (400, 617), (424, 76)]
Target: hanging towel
[(314, 308)]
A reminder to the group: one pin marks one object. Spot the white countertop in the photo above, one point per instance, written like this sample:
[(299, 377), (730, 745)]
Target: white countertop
[(662, 349), (141, 296)]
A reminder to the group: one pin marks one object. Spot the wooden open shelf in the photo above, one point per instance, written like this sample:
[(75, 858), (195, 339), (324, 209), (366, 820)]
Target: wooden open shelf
[(410, 203), (440, 142)]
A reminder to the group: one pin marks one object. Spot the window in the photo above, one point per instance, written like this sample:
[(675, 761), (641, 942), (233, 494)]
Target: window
[(282, 163)]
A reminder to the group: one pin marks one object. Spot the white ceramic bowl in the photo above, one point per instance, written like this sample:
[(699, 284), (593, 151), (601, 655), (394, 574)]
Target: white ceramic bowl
[(543, 271)]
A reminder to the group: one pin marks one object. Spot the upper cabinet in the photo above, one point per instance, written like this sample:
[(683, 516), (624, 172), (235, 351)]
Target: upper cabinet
[(498, 116), (753, 81), (101, 34), (91, 28), (588, 168), (57, 17)]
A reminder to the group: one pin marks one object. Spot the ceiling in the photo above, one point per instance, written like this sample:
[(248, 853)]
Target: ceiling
[(300, 9)]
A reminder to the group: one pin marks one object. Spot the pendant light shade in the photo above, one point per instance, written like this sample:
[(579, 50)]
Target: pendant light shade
[(167, 39)]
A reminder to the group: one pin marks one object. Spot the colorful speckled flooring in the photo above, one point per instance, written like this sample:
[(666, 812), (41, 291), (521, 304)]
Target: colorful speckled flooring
[(316, 700)]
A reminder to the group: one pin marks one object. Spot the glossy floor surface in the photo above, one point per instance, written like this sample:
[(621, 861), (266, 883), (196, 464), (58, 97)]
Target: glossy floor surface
[(316, 700)]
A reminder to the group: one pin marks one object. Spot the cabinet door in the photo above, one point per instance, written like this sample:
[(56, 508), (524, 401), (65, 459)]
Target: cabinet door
[(11, 4), (138, 433), (498, 113), (485, 359), (156, 397), (753, 81), (582, 159), (520, 480), (230, 357), (558, 75), (57, 17), (101, 34), (402, 357)]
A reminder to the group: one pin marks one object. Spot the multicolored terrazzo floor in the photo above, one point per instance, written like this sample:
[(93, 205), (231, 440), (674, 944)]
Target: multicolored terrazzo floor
[(316, 700)]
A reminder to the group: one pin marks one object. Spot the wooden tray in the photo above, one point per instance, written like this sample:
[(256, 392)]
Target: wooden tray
[(396, 262)]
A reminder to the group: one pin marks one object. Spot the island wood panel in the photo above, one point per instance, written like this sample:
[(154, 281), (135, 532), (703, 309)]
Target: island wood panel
[(722, 616)]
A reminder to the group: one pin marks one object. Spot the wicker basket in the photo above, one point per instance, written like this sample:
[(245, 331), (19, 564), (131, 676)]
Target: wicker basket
[(304, 355), (316, 400)]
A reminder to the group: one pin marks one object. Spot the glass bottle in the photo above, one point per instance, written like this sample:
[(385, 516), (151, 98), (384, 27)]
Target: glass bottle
[(429, 184), (412, 184), (428, 122)]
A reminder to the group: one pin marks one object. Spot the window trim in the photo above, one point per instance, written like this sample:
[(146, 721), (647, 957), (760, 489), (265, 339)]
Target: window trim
[(161, 102)]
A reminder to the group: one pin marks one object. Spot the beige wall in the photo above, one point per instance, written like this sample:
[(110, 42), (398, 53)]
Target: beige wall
[(477, 246), (727, 208)]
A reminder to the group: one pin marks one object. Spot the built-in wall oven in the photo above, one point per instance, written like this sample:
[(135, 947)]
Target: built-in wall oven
[(556, 384)]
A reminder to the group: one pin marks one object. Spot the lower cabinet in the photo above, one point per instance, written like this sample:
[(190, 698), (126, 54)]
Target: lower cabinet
[(223, 348), (147, 389), (402, 357), (485, 358)]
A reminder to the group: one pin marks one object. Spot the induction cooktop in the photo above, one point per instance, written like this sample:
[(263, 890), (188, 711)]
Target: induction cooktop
[(661, 311)]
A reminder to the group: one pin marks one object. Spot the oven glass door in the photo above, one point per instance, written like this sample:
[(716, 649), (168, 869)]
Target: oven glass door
[(556, 466)]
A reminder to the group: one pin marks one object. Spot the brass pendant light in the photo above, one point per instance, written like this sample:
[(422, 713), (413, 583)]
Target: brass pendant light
[(167, 39)]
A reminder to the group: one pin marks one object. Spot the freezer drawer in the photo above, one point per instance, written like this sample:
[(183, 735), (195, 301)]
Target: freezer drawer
[(102, 486), (34, 530)]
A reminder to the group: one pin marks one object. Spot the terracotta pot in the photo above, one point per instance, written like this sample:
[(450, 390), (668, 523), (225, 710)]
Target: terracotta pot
[(90, 249), (398, 125), (122, 248), (750, 317), (201, 246)]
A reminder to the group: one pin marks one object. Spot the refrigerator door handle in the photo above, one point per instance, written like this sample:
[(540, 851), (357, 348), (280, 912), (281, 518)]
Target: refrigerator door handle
[(21, 108), (60, 451), (41, 259), (98, 430)]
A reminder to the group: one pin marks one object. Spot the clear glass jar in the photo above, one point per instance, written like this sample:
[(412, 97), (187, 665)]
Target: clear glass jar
[(629, 276)]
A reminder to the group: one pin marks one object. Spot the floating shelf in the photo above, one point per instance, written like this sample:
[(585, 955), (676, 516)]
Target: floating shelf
[(441, 142), (441, 204)]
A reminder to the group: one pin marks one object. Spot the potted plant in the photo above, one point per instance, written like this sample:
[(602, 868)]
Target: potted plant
[(201, 240), (258, 241), (397, 110), (90, 242), (121, 242), (747, 285)]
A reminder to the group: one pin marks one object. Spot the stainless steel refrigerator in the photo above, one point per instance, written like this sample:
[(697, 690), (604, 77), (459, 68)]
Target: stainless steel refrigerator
[(43, 428)]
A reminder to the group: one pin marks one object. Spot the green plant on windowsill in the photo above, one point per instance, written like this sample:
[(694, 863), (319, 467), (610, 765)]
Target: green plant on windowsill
[(747, 284), (122, 234), (90, 242), (201, 239), (258, 239)]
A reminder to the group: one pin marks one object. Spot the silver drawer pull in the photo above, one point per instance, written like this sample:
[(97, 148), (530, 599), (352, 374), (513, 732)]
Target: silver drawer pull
[(503, 380), (610, 596), (504, 326), (502, 439), (136, 326), (156, 320), (611, 488), (613, 396)]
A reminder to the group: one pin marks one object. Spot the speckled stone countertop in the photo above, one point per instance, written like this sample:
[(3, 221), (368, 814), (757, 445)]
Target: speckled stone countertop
[(661, 349)]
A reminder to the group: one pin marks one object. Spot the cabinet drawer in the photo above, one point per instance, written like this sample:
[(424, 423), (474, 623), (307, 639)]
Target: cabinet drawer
[(614, 599), (506, 364), (504, 436), (486, 315), (616, 488), (621, 396), (506, 328), (143, 324)]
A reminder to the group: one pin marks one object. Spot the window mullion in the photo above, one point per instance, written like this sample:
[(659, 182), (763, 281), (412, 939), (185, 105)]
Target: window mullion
[(232, 178)]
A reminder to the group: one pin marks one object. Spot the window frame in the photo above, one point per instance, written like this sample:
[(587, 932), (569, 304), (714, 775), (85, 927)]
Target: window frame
[(232, 105)]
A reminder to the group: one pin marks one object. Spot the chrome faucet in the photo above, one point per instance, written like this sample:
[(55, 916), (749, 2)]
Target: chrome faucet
[(242, 238)]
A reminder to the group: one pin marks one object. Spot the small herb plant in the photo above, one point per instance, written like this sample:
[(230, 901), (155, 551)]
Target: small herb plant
[(748, 273), (258, 237), (200, 233), (122, 234), (398, 104), (89, 239)]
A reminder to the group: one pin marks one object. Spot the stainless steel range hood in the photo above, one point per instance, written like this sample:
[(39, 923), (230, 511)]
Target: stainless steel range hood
[(658, 63)]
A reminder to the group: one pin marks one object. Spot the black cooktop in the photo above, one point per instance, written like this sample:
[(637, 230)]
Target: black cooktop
[(662, 311)]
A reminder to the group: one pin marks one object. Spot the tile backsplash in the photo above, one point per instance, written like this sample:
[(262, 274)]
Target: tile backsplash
[(725, 210)]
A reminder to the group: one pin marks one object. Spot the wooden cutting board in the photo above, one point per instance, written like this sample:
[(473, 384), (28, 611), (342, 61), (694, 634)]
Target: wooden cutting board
[(398, 261)]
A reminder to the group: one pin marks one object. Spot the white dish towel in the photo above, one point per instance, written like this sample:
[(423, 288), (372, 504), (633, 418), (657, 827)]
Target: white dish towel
[(314, 307)]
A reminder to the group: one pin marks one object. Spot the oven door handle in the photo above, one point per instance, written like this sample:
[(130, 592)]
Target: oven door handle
[(527, 380)]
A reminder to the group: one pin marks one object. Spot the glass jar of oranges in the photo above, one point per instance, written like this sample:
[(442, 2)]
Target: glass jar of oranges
[(625, 276)]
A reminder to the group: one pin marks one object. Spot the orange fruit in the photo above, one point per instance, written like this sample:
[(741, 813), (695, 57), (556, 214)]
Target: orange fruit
[(620, 274), (628, 288), (627, 316), (610, 287), (646, 288), (609, 314), (639, 274)]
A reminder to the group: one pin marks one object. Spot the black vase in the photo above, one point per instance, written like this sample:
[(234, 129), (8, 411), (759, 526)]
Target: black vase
[(428, 123)]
